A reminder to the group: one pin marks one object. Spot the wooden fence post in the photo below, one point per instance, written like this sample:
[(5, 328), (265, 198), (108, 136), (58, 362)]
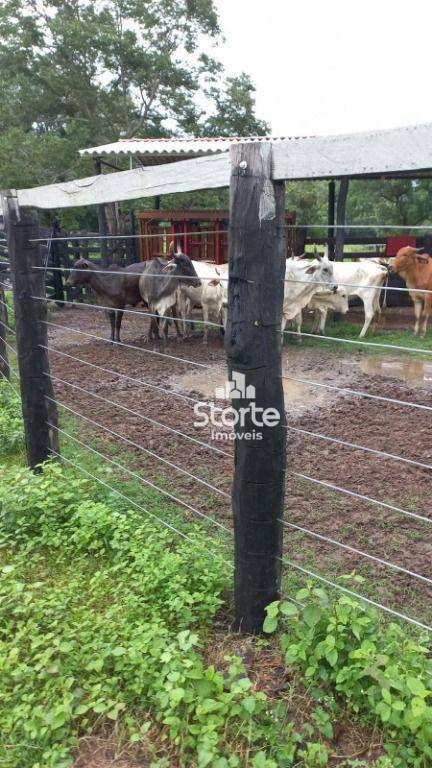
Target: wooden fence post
[(4, 360), (340, 218), (31, 332), (253, 346)]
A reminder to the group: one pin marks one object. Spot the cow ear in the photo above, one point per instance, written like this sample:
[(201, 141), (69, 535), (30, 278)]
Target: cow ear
[(310, 270)]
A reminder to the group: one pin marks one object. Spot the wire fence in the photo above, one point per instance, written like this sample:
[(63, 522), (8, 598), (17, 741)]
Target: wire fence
[(82, 394)]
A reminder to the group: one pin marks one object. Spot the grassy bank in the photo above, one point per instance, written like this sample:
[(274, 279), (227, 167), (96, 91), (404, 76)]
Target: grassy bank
[(115, 624)]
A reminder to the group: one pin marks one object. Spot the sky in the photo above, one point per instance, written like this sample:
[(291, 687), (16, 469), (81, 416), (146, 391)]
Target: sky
[(332, 66)]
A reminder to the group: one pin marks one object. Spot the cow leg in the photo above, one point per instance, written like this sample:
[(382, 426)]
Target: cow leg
[(111, 315), (178, 331), (206, 319), (426, 313), (369, 313), (418, 306), (322, 319), (118, 322)]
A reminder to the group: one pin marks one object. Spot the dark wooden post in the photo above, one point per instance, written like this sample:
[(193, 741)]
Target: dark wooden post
[(253, 346), (340, 218), (102, 219), (4, 360), (331, 218), (31, 332), (56, 262)]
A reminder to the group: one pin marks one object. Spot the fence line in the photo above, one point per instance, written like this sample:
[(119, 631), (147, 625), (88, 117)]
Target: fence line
[(128, 311), (11, 371), (135, 504), (357, 447), (357, 393), (136, 274), (362, 343), (340, 544), (141, 416), (123, 375), (355, 595), (143, 480), (168, 235), (250, 282), (128, 346), (361, 496), (8, 328), (142, 448)]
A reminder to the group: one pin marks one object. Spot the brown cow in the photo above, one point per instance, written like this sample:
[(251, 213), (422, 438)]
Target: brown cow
[(111, 290), (415, 269)]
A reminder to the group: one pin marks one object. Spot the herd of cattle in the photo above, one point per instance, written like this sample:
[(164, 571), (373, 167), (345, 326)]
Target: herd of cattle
[(172, 289)]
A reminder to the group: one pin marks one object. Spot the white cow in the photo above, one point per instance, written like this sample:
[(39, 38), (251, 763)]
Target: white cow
[(364, 279), (209, 296), (303, 279), (320, 304)]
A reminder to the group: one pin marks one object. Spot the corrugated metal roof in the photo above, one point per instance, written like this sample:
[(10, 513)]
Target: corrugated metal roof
[(183, 148)]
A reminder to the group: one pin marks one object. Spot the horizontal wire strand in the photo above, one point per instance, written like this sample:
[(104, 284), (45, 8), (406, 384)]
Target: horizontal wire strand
[(11, 371), (361, 496), (128, 346), (127, 311), (347, 547), (8, 328), (358, 393), (135, 504), (157, 387), (356, 595), (140, 415), (357, 447), (361, 343), (353, 285), (167, 235), (141, 448), (142, 479), (136, 274), (10, 347)]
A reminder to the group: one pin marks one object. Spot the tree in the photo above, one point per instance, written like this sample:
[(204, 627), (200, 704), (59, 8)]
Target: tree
[(234, 110)]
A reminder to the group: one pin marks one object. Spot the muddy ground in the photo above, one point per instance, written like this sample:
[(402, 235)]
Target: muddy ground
[(385, 426)]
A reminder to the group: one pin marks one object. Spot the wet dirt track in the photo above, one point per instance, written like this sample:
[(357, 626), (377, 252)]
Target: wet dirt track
[(389, 427)]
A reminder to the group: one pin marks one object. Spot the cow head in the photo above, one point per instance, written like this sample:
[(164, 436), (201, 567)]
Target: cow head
[(80, 273), (406, 258), (321, 270), (180, 265)]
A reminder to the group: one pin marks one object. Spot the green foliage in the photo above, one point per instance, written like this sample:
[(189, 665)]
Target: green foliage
[(103, 617), (11, 424), (384, 674)]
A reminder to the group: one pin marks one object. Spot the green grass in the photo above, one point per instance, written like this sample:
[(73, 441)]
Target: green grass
[(350, 332)]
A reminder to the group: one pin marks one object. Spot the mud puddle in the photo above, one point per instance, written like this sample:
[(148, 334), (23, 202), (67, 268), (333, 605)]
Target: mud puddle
[(405, 369), (298, 396)]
